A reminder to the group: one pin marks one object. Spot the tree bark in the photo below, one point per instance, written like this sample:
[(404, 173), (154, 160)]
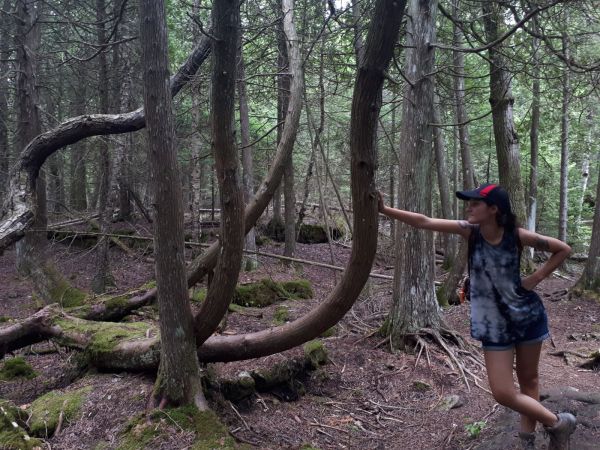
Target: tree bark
[(178, 380), (414, 298), (250, 260), (563, 206), (590, 278), (501, 101), (225, 18), (5, 30), (102, 278), (534, 137)]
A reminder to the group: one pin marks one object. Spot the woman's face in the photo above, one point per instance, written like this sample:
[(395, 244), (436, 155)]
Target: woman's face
[(479, 212)]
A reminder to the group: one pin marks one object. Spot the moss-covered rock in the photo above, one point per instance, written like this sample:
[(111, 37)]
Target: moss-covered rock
[(16, 367), (239, 388), (13, 435), (66, 295), (266, 292), (45, 410), (317, 234), (315, 353)]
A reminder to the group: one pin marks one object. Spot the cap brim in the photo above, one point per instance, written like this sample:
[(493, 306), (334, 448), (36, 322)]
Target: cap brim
[(469, 195)]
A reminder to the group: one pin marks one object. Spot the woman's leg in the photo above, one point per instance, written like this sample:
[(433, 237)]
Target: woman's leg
[(528, 359), (499, 366)]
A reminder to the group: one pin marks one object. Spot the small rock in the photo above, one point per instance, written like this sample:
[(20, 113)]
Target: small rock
[(421, 386), (13, 295), (450, 402)]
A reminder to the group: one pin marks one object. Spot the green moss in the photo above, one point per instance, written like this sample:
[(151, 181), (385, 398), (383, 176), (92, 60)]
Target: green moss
[(66, 295), (149, 285), (308, 447), (281, 315), (16, 368), (298, 289), (4, 319), (210, 433), (329, 332), (104, 336), (266, 292), (12, 432), (45, 411), (199, 295), (315, 352)]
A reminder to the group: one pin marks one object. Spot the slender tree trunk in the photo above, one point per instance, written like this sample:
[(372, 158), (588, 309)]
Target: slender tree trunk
[(33, 245), (563, 206), (225, 18), (501, 100), (178, 380), (590, 278), (250, 259), (5, 31), (448, 241), (78, 165), (103, 278), (534, 138), (414, 299)]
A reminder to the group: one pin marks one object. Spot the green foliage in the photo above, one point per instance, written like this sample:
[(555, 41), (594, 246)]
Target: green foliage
[(474, 429), (281, 315), (16, 367), (45, 410), (316, 353)]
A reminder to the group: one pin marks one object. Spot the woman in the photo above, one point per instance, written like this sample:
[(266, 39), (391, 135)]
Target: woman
[(506, 315)]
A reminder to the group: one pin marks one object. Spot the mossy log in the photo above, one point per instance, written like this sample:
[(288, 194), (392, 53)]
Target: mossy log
[(106, 345)]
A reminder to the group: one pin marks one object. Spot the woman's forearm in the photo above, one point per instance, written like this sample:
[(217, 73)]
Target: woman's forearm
[(410, 218)]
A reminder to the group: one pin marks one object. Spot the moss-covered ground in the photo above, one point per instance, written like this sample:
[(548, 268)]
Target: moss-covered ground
[(45, 411), (16, 367)]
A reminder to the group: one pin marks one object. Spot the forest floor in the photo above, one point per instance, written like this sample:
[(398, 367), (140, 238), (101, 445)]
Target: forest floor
[(367, 396)]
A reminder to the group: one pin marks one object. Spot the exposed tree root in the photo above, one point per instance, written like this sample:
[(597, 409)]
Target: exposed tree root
[(460, 353)]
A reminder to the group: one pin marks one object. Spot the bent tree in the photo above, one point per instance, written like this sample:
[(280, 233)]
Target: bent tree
[(136, 351)]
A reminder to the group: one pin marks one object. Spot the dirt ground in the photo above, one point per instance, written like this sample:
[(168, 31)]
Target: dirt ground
[(367, 397)]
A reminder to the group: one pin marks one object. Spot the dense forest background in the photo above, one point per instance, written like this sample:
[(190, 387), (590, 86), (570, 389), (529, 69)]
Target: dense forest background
[(205, 129)]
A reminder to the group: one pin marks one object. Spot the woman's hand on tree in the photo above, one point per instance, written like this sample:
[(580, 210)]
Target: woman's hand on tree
[(380, 203)]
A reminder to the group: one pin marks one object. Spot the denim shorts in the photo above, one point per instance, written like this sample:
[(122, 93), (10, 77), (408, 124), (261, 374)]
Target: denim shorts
[(499, 347)]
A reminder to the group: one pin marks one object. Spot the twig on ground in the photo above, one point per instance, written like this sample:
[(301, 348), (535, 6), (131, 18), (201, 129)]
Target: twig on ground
[(240, 416)]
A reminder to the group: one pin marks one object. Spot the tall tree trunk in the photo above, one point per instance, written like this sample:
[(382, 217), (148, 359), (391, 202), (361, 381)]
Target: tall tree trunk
[(103, 278), (5, 30), (585, 176), (225, 18), (590, 278), (250, 260), (78, 163), (33, 245), (501, 100), (563, 206), (448, 241), (178, 380), (534, 137), (414, 299)]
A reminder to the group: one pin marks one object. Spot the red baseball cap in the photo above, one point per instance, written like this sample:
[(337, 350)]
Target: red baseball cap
[(492, 194)]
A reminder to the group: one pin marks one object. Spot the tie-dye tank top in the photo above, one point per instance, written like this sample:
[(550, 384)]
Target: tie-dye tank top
[(502, 312)]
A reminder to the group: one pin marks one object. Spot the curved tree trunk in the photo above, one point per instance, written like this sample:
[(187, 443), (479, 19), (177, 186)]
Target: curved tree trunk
[(225, 18), (178, 380), (17, 212), (366, 104)]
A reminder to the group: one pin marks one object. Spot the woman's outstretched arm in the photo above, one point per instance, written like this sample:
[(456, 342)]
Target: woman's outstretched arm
[(422, 221)]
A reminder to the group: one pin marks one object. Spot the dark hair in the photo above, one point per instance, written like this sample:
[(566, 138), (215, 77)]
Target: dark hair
[(506, 219)]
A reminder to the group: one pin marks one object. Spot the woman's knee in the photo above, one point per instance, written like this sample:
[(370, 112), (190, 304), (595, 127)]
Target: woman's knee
[(504, 397), (529, 381)]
